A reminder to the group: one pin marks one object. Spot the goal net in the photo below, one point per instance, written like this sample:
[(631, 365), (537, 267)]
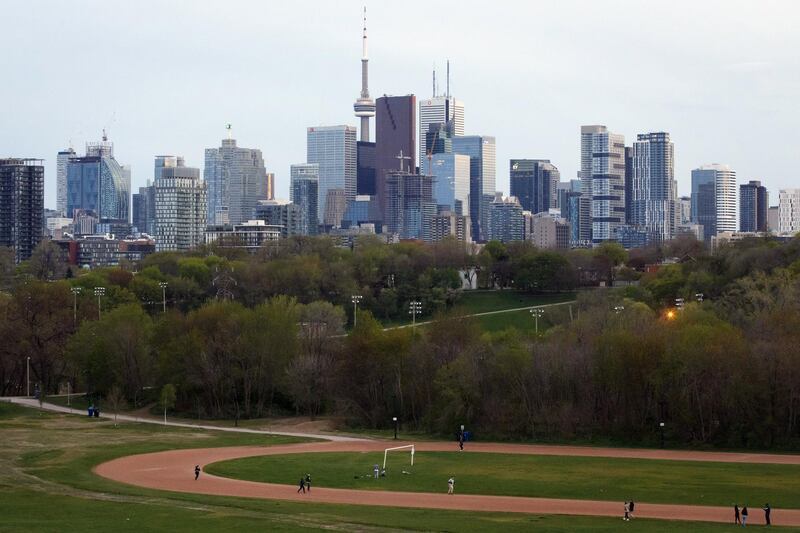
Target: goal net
[(406, 447)]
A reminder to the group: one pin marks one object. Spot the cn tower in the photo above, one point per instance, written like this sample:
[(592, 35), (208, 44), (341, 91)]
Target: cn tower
[(364, 106)]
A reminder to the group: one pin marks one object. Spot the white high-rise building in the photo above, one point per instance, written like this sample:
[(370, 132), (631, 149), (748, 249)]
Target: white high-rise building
[(714, 199), (439, 110), (653, 188), (602, 176), (789, 211), (236, 180), (62, 163), (180, 205), (333, 148)]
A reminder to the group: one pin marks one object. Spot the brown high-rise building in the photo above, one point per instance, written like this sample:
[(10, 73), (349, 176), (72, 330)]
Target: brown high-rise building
[(395, 140)]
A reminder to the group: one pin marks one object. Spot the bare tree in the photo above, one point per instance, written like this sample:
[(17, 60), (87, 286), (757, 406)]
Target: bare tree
[(116, 400)]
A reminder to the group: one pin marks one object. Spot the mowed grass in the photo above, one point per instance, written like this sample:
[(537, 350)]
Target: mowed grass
[(46, 485), (485, 301), (592, 478)]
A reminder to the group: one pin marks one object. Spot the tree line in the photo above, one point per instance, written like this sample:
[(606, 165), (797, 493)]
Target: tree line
[(720, 370)]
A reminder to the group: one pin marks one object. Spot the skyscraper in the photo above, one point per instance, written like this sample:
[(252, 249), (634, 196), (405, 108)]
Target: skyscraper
[(236, 179), (714, 199), (410, 206), (144, 209), (333, 148), (789, 211), (753, 203), (21, 205), (445, 110), (506, 220), (451, 182), (652, 187), (534, 183), (287, 215), (304, 191), (603, 180), (97, 183), (62, 162), (180, 205), (364, 106), (482, 175), (395, 138)]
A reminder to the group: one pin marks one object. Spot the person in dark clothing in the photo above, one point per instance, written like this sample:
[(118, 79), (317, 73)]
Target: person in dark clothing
[(196, 472), (460, 437), (630, 508), (302, 485), (736, 518), (308, 482), (767, 511), (744, 516)]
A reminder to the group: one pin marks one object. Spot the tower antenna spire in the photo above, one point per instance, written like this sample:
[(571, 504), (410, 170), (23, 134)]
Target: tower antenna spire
[(364, 106), (447, 94), (434, 80)]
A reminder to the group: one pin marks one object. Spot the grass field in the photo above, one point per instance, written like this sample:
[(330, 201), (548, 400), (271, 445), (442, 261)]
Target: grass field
[(46, 484), (591, 478)]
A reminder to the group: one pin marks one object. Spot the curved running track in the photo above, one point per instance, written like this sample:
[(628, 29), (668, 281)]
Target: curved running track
[(173, 470)]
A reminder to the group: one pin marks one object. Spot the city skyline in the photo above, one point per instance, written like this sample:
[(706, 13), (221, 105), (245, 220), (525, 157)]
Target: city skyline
[(537, 77)]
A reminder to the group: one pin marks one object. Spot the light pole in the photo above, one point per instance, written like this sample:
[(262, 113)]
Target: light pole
[(163, 285), (536, 312), (414, 307), (394, 419), (75, 292), (29, 376), (679, 304), (661, 426), (356, 298), (699, 297), (99, 291)]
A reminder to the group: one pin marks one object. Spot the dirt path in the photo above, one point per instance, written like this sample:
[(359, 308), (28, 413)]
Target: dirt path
[(173, 470)]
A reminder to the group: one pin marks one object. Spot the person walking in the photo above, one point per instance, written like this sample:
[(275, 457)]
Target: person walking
[(302, 485), (450, 485), (736, 518), (196, 472), (744, 516), (626, 511), (767, 511), (308, 482), (460, 439)]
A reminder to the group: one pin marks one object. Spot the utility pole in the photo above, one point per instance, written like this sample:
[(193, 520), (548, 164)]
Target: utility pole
[(356, 298), (163, 285)]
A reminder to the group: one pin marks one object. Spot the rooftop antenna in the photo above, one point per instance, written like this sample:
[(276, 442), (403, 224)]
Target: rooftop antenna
[(230, 132), (105, 136), (434, 80), (447, 94)]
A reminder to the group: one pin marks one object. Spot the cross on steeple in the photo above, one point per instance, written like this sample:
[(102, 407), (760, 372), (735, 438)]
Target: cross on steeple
[(401, 157)]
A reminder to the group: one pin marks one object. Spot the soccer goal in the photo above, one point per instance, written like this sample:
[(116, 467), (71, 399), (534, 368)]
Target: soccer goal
[(387, 450)]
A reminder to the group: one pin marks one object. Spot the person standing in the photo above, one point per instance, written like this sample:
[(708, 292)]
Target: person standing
[(376, 469), (626, 511), (302, 485), (460, 439), (736, 518), (450, 485), (744, 516), (767, 511), (630, 509), (308, 482)]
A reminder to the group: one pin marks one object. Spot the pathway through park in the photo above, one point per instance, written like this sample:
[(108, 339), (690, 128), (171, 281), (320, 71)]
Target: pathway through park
[(173, 470)]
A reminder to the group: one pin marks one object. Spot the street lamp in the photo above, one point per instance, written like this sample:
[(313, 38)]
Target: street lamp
[(394, 419), (661, 427), (163, 285), (99, 291), (356, 298), (414, 307), (75, 292), (537, 312), (29, 376)]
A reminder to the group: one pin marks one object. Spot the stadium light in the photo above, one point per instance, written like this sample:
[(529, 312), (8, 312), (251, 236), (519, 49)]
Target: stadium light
[(163, 285), (414, 307), (356, 298), (537, 312), (394, 419), (99, 291), (75, 292)]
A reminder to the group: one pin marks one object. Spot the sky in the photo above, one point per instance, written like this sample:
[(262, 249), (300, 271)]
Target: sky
[(722, 77)]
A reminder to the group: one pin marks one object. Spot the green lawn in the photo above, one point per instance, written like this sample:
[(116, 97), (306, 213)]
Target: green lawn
[(484, 301), (700, 483), (46, 484)]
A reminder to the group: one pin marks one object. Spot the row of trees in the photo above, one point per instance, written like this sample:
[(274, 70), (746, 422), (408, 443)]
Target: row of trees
[(724, 371)]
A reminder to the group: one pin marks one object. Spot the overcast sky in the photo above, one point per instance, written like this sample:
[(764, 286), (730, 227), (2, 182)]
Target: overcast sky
[(723, 77)]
